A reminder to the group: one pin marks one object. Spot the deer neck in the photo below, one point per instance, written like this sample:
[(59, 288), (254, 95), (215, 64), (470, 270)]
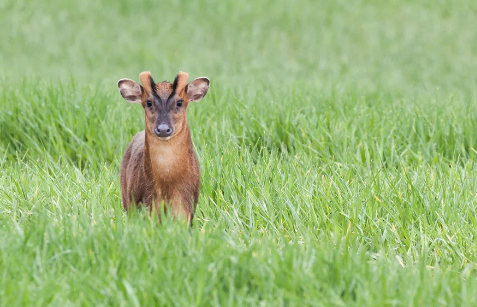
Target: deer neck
[(167, 160)]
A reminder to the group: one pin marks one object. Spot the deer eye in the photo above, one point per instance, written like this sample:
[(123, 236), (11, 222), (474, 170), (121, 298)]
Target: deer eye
[(149, 103), (179, 103)]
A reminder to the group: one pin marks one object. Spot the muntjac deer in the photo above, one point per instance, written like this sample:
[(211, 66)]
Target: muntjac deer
[(160, 165)]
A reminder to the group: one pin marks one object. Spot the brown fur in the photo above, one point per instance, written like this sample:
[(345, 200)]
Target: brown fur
[(182, 78), (156, 171), (144, 78)]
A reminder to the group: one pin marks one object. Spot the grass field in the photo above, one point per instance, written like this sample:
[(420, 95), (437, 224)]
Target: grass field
[(337, 145)]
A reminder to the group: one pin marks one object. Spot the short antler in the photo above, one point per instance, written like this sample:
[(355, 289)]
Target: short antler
[(180, 82), (146, 81)]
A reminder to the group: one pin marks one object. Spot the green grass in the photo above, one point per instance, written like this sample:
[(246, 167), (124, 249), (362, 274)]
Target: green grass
[(337, 145)]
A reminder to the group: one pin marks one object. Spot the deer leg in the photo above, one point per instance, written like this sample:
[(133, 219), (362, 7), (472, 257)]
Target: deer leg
[(181, 210)]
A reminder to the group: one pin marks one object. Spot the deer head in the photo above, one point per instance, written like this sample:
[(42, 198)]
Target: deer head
[(165, 104)]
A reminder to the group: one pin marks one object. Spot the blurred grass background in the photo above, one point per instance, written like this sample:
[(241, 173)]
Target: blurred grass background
[(337, 152), (365, 44)]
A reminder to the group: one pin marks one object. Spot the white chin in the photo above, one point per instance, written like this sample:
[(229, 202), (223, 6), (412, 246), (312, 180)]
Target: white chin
[(164, 138)]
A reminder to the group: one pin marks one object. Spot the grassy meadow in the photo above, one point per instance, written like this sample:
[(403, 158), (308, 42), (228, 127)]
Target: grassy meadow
[(337, 144)]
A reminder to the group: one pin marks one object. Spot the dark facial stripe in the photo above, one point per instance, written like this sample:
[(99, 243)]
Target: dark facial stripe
[(174, 85), (153, 87)]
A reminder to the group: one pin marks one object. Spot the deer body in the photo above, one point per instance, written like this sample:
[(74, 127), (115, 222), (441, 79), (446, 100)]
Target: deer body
[(160, 165)]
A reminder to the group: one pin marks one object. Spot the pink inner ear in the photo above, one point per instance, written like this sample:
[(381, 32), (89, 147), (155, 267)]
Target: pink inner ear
[(130, 90), (197, 89), (196, 96)]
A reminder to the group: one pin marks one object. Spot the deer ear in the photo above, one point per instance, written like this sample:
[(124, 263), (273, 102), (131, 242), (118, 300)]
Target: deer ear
[(197, 89), (130, 90)]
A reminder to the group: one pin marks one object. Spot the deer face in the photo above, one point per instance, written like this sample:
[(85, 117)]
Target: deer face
[(165, 104)]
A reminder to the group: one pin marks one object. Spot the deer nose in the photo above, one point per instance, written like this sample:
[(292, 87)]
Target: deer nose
[(163, 130)]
